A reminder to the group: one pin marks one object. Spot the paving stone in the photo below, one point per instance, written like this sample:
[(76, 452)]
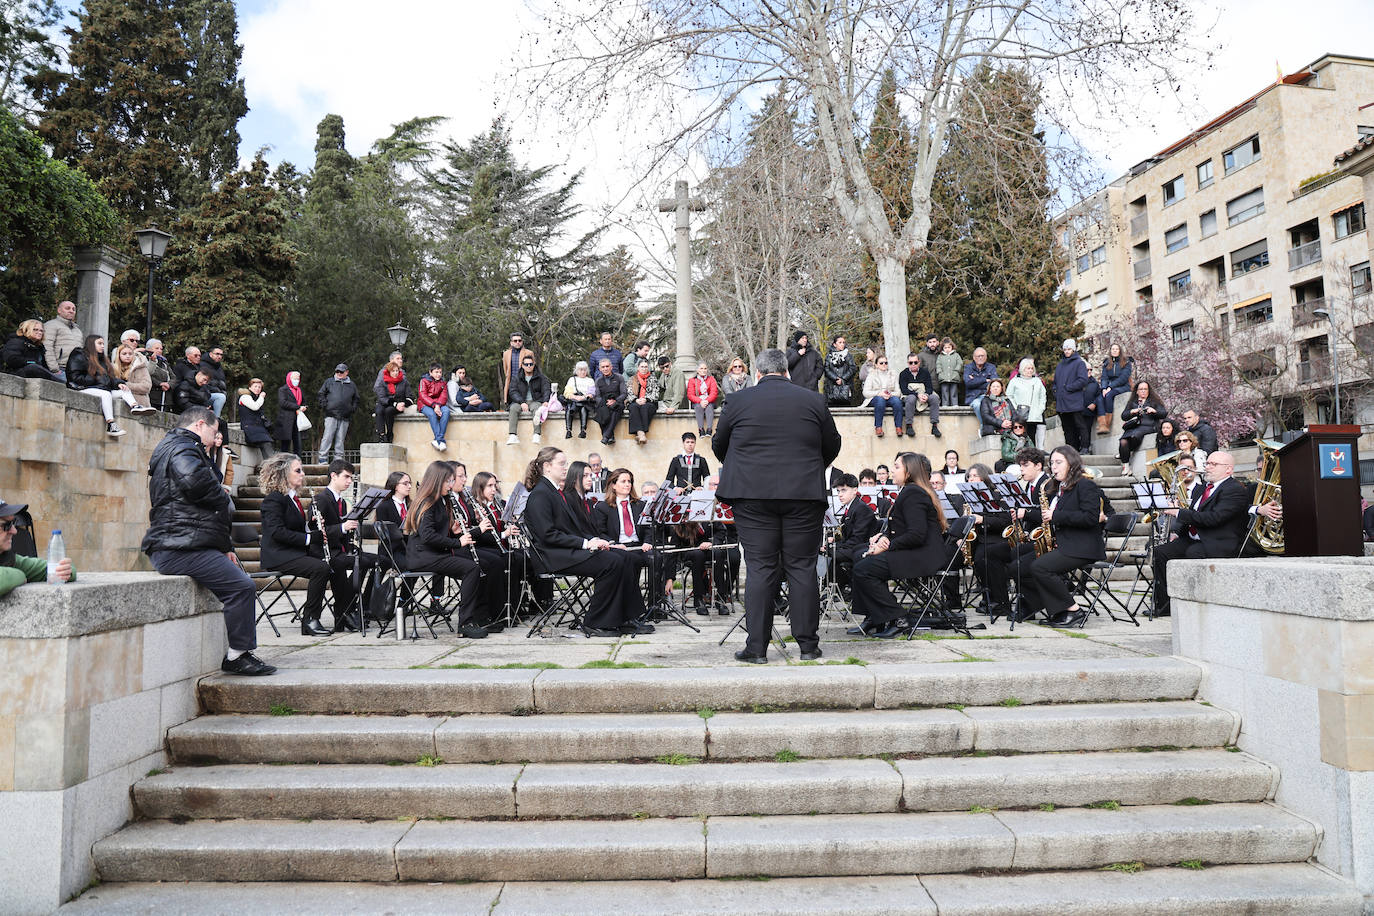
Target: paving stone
[(1007, 649), (379, 690), (1068, 780), (800, 787), (297, 898), (849, 844), (304, 739), (668, 689), (341, 790), (373, 656), (1101, 726), (682, 655), (1158, 835), (552, 850), (612, 736), (1227, 890), (856, 733), (875, 896), (893, 651), (1038, 681), (251, 850), (488, 652)]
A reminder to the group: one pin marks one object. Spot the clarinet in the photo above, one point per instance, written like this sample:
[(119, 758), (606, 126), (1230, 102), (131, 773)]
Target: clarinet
[(318, 519), (461, 518), (495, 531)]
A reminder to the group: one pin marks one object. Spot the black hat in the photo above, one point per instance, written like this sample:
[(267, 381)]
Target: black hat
[(9, 509), (341, 367)]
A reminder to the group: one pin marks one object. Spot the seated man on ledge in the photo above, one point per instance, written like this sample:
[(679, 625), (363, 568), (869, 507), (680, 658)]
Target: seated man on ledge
[(16, 570)]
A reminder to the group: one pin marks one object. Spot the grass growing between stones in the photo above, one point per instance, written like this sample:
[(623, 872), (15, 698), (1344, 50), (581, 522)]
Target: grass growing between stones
[(957, 707), (156, 771), (787, 755), (851, 660), (455, 665), (429, 760), (1106, 805), (981, 809), (677, 760), (969, 658), (280, 709), (1009, 702), (1129, 868), (706, 712), (607, 663), (1193, 801), (1194, 864), (542, 666), (1046, 806)]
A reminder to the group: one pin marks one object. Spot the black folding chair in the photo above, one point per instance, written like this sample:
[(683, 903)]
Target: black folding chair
[(1094, 581), (265, 580), (935, 613), (413, 596)]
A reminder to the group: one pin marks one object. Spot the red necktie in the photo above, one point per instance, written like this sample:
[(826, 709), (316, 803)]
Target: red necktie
[(403, 511), (299, 505), (627, 525), (1206, 492)]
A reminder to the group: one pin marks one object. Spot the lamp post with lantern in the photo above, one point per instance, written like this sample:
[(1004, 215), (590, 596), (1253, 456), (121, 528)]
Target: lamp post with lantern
[(152, 243)]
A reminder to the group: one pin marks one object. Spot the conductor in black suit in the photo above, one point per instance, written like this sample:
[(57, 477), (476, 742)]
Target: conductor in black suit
[(1213, 527), (774, 444), (562, 547)]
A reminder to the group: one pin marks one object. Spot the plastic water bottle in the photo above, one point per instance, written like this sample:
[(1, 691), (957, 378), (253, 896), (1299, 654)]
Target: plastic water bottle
[(56, 551)]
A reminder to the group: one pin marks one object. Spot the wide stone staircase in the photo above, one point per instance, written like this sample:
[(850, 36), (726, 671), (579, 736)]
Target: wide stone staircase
[(1085, 786)]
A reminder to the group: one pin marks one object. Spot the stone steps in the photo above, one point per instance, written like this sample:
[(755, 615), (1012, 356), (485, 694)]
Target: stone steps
[(713, 847), (725, 736), (834, 786), (1228, 890)]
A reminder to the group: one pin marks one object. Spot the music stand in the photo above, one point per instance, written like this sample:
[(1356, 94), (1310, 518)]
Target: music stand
[(671, 509), (367, 504), (1013, 498)]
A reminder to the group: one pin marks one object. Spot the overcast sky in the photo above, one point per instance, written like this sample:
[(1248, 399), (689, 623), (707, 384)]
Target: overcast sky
[(379, 63)]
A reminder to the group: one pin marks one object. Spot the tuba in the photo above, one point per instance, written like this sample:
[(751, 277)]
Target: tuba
[(1267, 534)]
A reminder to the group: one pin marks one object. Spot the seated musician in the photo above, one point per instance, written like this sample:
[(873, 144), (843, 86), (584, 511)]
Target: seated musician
[(912, 547), (441, 544), (557, 529), (882, 505), (989, 527), (1077, 516), (725, 560), (691, 547), (1213, 525), (1002, 561), (858, 524), (291, 544), (393, 512), (688, 470), (620, 517), (577, 489), (342, 539), (954, 554), (491, 596)]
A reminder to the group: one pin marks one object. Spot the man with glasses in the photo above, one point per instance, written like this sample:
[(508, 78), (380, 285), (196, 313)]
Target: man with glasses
[(219, 385), (16, 570), (510, 364), (527, 391), (1213, 525), (918, 393)]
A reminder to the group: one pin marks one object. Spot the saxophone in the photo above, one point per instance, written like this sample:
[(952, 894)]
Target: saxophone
[(1043, 536), (966, 545)]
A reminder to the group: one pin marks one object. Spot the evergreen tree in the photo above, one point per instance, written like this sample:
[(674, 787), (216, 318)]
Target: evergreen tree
[(217, 95), (990, 274), (235, 263), (26, 46)]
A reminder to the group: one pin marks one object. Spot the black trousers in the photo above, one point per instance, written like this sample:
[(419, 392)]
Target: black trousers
[(226, 579), (999, 562), (492, 589), (872, 599), (641, 415), (322, 573), (1182, 547), (1128, 444), (616, 598), (1078, 430), (724, 572), (781, 538), (366, 563), (1049, 586), (465, 571), (607, 417), (582, 409)]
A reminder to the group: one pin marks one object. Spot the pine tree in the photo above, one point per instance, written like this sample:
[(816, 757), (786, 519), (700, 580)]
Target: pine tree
[(216, 92), (26, 46)]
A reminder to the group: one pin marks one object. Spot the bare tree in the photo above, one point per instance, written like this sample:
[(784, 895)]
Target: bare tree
[(719, 55)]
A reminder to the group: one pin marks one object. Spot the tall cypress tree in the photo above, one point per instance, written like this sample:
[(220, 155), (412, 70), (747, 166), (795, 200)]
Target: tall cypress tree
[(216, 92)]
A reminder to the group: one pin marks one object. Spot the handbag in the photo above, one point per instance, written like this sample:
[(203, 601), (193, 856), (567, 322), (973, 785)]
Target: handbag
[(382, 596), (1020, 413), (302, 422), (1131, 423)]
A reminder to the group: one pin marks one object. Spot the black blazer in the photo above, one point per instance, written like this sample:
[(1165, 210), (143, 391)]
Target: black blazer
[(917, 546), (607, 522), (679, 477), (284, 531), (858, 524), (1047, 485), (554, 528), (775, 442), (1222, 521), (1077, 531), (433, 540), (287, 408), (387, 513), (610, 387), (333, 522)]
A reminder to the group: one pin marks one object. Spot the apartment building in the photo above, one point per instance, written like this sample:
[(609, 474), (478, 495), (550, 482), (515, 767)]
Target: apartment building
[(1246, 224)]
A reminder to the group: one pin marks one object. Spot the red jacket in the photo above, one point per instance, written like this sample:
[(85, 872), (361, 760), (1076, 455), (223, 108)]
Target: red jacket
[(697, 395), (432, 393)]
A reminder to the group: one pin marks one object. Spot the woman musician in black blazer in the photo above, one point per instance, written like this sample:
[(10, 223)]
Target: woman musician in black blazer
[(435, 547), (393, 512), (1077, 517), (912, 547)]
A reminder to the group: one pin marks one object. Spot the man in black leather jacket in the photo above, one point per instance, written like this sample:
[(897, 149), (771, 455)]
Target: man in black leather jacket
[(189, 518)]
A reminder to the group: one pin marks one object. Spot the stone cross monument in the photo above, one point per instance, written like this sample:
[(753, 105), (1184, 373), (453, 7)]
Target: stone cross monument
[(681, 204)]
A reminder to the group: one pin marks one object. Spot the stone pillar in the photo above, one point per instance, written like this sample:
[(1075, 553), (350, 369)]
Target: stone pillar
[(1289, 644), (681, 204), (95, 271)]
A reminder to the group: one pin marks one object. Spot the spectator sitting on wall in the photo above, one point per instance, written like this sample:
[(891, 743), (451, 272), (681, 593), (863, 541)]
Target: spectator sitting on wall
[(393, 395), (188, 365), (977, 374), (608, 350), (131, 368), (61, 338), (193, 391), (578, 396), (251, 420), (528, 391), (89, 372), (672, 385), (433, 401), (213, 364), (16, 570), (23, 354), (338, 399), (463, 394), (160, 371)]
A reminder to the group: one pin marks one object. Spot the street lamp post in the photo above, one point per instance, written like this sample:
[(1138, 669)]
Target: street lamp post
[(399, 334), (152, 242), (1335, 362)]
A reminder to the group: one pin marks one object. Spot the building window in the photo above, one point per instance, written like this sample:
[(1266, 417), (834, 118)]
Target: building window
[(1100, 299), (1183, 332), (1238, 157), (1099, 255), (1179, 284), (1366, 130), (1083, 263), (1068, 275), (1251, 257), (1204, 174), (1064, 237), (1208, 224), (1253, 316), (1359, 279), (1176, 239), (1085, 303), (1247, 206), (1173, 191), (1225, 328), (1349, 221), (1259, 364)]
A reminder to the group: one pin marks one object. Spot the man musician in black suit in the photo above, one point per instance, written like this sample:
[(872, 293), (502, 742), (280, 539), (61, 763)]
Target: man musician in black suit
[(858, 523), (1003, 561), (778, 515), (688, 469), (341, 536), (562, 547), (1213, 526)]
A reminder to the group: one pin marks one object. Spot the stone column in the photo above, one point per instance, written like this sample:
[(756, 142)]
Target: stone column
[(681, 204), (95, 271)]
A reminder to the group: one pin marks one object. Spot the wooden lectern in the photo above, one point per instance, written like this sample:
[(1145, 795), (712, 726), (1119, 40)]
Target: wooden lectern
[(1320, 475)]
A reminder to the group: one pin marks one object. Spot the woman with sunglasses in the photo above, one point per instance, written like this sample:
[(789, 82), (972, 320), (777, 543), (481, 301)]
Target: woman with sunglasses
[(881, 393)]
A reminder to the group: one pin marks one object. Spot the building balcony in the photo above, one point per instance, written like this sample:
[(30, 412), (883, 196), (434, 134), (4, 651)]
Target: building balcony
[(1141, 268), (1302, 312), (1314, 369), (1303, 255), (1140, 225)]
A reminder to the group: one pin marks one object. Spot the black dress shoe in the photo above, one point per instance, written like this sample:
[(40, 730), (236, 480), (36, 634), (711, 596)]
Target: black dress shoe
[(349, 623), (313, 627), (702, 610), (856, 631), (597, 631), (582, 435), (891, 631), (811, 655), (910, 430), (247, 665), (472, 631), (743, 656), (494, 626), (1068, 619), (935, 430), (636, 626), (723, 610)]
